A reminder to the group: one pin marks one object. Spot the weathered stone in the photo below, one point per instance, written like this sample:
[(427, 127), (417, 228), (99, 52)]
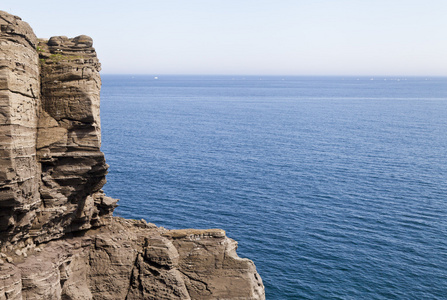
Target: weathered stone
[(127, 261), (58, 239), (10, 282), (19, 106), (69, 139), (210, 266)]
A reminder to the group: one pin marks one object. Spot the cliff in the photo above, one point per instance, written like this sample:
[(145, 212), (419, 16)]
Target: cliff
[(58, 238)]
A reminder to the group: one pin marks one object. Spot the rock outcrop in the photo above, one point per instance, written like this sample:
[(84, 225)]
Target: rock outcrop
[(19, 113), (58, 238)]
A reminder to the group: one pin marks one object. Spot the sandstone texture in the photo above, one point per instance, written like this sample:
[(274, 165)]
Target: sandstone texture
[(58, 238)]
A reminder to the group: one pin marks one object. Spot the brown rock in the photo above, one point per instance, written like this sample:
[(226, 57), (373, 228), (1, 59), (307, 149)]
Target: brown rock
[(125, 260), (10, 282), (19, 106), (69, 139), (211, 267), (58, 239)]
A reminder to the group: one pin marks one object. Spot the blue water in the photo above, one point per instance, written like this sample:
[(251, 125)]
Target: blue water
[(335, 187)]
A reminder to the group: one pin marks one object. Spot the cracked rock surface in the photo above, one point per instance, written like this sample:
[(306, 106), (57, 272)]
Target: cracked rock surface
[(58, 238)]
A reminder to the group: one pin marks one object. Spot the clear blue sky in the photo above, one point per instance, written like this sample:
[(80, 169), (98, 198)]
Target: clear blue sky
[(283, 37)]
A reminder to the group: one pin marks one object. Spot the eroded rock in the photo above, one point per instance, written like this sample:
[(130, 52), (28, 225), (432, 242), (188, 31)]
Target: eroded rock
[(19, 115), (58, 239)]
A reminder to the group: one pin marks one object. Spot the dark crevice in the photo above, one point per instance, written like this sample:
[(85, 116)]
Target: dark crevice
[(23, 94), (196, 280), (21, 36), (6, 20), (157, 265), (134, 277)]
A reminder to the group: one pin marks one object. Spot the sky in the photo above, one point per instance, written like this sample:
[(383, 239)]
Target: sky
[(252, 37)]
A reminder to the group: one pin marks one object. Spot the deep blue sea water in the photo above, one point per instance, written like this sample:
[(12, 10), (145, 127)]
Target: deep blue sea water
[(335, 187)]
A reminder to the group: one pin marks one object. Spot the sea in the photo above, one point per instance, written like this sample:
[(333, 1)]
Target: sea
[(336, 187)]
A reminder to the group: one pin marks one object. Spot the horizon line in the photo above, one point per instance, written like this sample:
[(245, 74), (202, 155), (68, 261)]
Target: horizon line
[(271, 75)]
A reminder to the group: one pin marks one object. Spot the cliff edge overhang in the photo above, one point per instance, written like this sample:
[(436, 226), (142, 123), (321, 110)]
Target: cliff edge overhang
[(58, 238)]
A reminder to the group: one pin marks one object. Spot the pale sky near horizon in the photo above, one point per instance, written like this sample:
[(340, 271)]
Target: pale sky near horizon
[(259, 37)]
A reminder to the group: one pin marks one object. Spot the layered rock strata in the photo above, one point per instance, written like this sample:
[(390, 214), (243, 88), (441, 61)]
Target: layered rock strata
[(58, 239), (73, 168), (130, 259), (19, 115), (51, 166)]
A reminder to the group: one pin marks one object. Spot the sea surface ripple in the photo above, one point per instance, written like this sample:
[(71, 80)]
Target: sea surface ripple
[(335, 187)]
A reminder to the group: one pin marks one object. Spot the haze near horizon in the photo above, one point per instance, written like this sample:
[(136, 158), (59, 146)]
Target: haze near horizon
[(257, 37)]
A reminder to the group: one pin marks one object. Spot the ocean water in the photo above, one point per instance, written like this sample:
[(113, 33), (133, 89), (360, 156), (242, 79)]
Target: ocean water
[(335, 187)]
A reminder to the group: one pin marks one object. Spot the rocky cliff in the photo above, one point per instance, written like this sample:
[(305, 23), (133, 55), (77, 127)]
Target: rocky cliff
[(58, 238)]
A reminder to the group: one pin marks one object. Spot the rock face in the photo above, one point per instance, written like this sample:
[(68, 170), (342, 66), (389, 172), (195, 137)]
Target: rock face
[(19, 113), (58, 239), (73, 168), (52, 169)]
